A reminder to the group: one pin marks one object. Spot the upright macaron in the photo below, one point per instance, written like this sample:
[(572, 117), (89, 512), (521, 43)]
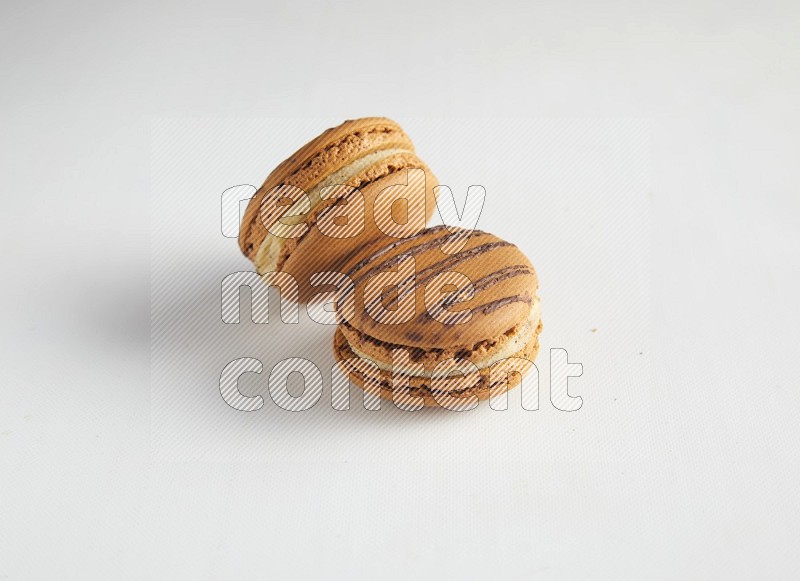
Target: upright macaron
[(440, 327), (354, 185)]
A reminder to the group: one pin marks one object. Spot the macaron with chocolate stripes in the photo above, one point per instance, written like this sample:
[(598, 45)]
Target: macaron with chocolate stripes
[(333, 197), (424, 326)]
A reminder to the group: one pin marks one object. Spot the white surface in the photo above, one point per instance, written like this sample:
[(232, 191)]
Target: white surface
[(696, 480)]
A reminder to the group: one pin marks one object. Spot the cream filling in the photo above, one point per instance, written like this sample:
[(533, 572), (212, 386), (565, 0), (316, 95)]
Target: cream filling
[(266, 259), (511, 348)]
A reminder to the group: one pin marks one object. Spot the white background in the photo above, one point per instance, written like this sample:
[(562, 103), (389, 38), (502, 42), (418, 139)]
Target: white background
[(697, 479)]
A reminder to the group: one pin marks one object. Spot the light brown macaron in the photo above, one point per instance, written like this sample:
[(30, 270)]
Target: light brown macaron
[(415, 314), (333, 197)]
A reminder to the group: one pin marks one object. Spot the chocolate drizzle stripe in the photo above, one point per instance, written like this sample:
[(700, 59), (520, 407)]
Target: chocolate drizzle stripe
[(393, 246), (496, 277), (493, 306), (422, 277), (501, 275), (456, 259)]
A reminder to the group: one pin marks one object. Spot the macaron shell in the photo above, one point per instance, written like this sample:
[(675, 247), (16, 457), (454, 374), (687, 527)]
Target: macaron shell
[(480, 385), (322, 156), (316, 252), (504, 281)]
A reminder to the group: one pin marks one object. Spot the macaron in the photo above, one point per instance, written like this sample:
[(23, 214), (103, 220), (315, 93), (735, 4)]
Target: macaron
[(427, 327), (352, 186)]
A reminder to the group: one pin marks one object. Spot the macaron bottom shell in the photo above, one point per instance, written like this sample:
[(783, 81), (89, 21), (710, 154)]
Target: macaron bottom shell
[(480, 386)]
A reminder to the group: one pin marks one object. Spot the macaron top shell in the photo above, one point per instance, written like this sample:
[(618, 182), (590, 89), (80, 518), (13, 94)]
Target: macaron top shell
[(481, 292)]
